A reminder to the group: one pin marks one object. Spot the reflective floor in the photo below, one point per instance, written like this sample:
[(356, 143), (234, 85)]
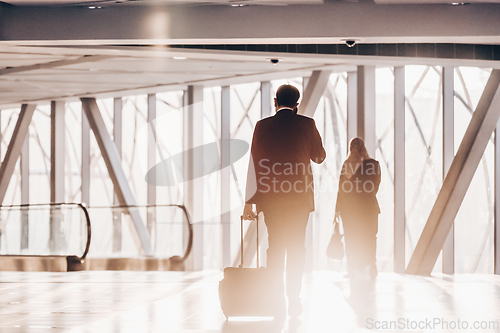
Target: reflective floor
[(188, 302)]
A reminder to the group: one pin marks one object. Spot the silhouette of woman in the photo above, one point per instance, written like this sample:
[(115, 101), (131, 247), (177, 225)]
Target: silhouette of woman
[(358, 207)]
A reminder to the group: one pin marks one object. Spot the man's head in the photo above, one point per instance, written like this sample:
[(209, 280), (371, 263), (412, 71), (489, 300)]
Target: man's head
[(286, 96)]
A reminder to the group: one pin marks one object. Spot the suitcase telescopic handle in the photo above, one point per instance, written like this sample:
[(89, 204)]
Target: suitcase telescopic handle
[(241, 233)]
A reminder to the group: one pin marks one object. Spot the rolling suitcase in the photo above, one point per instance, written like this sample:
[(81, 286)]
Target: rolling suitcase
[(246, 291)]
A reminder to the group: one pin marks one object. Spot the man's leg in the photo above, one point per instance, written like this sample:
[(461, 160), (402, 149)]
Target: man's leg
[(296, 255), (286, 231), (295, 260), (276, 258)]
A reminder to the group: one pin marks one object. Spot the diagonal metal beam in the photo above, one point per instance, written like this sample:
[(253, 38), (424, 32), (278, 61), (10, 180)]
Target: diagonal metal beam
[(15, 147), (316, 85), (458, 179), (113, 164), (53, 64)]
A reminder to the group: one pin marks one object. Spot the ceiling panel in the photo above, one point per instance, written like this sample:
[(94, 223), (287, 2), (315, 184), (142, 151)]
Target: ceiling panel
[(137, 79), (182, 66), (126, 72), (17, 60), (106, 3), (434, 2)]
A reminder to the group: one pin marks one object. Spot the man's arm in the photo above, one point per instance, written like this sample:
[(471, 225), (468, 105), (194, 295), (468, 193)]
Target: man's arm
[(251, 185), (318, 153)]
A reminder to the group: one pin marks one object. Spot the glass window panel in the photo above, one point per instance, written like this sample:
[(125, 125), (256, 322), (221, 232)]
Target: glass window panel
[(423, 149), (474, 224)]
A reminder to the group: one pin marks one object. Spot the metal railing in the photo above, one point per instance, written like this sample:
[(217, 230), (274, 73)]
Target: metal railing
[(75, 261), (186, 220), (52, 206)]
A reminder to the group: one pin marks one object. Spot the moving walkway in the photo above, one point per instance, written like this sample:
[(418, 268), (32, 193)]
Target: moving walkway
[(58, 237)]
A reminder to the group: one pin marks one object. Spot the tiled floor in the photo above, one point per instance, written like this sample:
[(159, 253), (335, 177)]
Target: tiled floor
[(188, 302)]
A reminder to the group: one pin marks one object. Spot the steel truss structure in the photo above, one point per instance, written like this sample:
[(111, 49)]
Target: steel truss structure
[(230, 112)]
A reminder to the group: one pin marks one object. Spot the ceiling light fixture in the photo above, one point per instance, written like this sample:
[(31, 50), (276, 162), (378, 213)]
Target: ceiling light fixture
[(180, 58)]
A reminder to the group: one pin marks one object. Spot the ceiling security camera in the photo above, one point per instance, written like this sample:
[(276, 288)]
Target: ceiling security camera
[(275, 61), (350, 43)]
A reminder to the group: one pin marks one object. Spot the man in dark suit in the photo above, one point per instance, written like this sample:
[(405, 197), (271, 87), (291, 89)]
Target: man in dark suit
[(280, 184)]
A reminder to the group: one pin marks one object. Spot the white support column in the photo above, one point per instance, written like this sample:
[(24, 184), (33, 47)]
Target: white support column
[(267, 109), (265, 99), (13, 152), (352, 106), (57, 150), (193, 188), (185, 229), (399, 170), (448, 90), (151, 191), (497, 201), (85, 160), (458, 178), (115, 170), (25, 194), (225, 154), (85, 172), (309, 242), (315, 88), (117, 138), (366, 107), (57, 242)]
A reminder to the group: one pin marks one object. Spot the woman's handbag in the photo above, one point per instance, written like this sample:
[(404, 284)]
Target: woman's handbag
[(335, 249)]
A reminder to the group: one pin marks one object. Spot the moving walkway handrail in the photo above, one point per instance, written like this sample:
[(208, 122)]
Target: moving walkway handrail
[(82, 207), (182, 207)]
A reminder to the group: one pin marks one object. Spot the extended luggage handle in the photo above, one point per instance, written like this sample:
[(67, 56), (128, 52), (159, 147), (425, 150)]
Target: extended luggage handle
[(241, 233)]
